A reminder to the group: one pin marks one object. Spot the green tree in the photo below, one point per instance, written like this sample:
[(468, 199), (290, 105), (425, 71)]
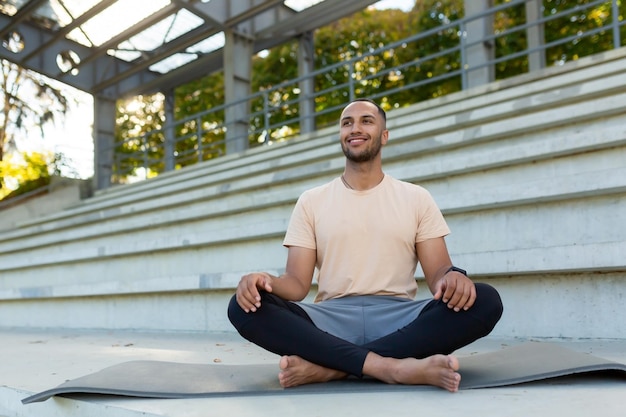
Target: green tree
[(278, 108), (576, 28), (575, 18), (138, 136), (140, 121), (29, 101), (21, 173), (438, 57), (195, 99), (414, 71), (357, 37)]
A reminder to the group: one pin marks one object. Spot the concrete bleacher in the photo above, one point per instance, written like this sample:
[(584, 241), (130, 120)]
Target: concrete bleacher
[(530, 173)]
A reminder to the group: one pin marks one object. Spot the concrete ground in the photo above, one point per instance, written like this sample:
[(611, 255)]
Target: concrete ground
[(34, 361)]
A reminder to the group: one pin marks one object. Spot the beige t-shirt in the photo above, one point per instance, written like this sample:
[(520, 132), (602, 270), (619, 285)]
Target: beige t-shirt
[(365, 240)]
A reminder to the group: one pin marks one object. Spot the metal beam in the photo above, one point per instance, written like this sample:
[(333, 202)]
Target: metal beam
[(202, 66), (271, 23), (62, 32), (161, 53), (191, 6), (275, 34), (130, 32), (189, 39), (22, 14), (315, 17)]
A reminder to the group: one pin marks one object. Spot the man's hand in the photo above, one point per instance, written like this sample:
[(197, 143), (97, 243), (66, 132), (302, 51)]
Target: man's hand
[(248, 296), (456, 290)]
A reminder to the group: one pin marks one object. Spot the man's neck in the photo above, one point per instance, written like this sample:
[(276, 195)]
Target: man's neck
[(362, 179)]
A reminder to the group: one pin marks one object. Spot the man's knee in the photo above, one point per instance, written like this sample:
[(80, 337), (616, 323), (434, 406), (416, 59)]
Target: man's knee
[(238, 317), (489, 302), (235, 312)]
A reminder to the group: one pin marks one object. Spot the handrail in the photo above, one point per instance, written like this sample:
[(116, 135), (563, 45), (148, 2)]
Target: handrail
[(262, 128)]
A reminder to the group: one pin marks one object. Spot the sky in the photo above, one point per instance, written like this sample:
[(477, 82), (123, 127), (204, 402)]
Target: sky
[(73, 136), (405, 5)]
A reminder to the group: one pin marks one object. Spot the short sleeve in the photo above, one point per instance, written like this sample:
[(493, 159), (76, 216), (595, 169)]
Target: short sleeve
[(430, 223), (301, 229)]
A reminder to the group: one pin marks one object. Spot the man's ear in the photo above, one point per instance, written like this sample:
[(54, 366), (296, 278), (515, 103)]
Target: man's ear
[(384, 137)]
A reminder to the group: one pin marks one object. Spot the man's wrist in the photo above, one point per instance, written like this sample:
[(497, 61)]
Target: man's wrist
[(457, 269)]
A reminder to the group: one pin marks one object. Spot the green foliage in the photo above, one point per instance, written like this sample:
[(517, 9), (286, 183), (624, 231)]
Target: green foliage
[(22, 173), (192, 99), (511, 41), (29, 100), (138, 136), (432, 76), (354, 37), (576, 30), (413, 71), (278, 108), (574, 22)]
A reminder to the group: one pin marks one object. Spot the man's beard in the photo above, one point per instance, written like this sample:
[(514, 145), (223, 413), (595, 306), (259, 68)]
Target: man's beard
[(367, 155)]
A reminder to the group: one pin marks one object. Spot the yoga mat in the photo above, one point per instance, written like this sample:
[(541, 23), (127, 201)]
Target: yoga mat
[(153, 379)]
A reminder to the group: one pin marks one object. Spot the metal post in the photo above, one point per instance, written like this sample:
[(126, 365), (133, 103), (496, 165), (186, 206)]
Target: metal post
[(144, 148), (535, 35), (168, 132), (480, 53), (617, 42), (464, 64), (307, 86), (237, 80), (104, 141), (351, 81), (199, 138), (266, 116)]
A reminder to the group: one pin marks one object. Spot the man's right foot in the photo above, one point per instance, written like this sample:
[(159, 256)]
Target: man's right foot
[(436, 370)]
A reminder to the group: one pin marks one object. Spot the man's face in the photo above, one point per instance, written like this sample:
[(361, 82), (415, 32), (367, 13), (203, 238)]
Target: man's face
[(362, 132)]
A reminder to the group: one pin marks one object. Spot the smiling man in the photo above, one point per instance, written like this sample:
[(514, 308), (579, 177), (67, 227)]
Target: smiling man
[(365, 233)]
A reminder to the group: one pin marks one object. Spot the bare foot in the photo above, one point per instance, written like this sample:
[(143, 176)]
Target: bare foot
[(296, 371), (437, 370)]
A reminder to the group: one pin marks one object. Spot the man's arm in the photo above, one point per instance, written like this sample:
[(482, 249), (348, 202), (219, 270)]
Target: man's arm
[(293, 285), (454, 288)]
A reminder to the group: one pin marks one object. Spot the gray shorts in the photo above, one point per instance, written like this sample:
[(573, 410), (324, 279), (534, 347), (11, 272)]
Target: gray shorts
[(362, 319)]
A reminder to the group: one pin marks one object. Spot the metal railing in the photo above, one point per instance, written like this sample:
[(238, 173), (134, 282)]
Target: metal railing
[(274, 113)]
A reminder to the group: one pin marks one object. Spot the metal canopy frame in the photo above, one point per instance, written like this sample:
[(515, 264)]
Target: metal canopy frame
[(97, 70)]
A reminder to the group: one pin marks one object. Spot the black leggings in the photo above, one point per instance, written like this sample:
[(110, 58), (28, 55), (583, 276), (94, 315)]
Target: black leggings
[(284, 328)]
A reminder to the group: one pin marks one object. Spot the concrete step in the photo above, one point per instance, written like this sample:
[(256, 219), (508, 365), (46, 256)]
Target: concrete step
[(529, 172)]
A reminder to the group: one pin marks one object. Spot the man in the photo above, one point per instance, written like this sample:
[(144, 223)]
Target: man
[(365, 232)]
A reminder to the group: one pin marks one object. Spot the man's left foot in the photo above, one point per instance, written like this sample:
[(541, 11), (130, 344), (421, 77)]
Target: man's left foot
[(296, 371)]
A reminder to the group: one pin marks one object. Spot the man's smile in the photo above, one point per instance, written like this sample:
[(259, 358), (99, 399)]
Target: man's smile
[(356, 140)]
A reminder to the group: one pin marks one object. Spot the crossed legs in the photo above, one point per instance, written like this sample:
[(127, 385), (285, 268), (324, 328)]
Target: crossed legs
[(416, 354)]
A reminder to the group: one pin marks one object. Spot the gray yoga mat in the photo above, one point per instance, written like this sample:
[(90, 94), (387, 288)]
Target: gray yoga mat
[(153, 379)]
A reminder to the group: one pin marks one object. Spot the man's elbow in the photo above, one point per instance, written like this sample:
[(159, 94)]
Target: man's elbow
[(301, 294)]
